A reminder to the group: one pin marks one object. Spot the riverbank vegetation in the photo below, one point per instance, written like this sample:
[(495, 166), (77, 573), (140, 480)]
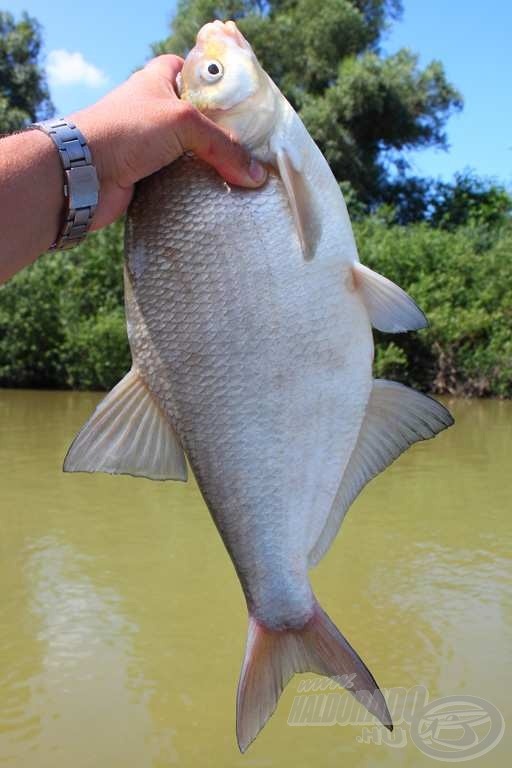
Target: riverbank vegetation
[(448, 244), (62, 320)]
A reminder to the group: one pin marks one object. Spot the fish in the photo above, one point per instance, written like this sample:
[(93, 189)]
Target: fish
[(249, 317)]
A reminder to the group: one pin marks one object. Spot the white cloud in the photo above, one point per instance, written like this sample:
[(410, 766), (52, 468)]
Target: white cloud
[(71, 68)]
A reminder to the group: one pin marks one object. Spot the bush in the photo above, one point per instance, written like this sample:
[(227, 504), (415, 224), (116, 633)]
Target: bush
[(62, 320), (31, 332), (97, 355), (94, 351), (462, 279)]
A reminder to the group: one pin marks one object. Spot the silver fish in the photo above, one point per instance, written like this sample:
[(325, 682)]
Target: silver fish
[(249, 317)]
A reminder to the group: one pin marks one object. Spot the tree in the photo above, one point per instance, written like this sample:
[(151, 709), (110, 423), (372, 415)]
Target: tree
[(469, 200), (24, 95), (361, 107)]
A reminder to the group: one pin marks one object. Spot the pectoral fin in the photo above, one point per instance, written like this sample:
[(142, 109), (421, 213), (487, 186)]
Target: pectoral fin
[(396, 417), (390, 308), (128, 433), (301, 203)]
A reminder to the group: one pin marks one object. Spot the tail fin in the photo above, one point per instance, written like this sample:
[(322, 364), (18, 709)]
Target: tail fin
[(273, 656)]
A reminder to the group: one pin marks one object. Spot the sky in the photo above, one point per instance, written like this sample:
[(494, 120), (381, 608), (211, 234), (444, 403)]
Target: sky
[(92, 47)]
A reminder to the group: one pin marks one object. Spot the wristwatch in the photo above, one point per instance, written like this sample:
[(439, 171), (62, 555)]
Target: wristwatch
[(81, 186)]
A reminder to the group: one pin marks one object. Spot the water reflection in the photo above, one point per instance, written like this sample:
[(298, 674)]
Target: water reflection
[(122, 625)]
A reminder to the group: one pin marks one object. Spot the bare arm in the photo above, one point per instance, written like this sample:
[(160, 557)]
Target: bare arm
[(31, 199), (132, 132)]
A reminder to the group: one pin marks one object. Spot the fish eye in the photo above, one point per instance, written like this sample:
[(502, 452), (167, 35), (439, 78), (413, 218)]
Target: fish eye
[(212, 71)]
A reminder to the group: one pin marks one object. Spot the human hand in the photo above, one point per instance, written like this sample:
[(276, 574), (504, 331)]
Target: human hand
[(142, 126)]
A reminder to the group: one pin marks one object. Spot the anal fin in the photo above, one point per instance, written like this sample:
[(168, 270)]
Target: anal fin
[(396, 417), (128, 433), (390, 308)]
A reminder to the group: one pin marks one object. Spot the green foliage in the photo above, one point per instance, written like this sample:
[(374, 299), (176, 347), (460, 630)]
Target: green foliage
[(390, 362), (375, 106), (360, 107), (62, 321), (95, 353), (462, 279), (31, 333), (449, 245), (468, 200), (24, 94)]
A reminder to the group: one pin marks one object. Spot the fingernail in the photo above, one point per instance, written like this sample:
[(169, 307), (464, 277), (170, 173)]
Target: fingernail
[(257, 172)]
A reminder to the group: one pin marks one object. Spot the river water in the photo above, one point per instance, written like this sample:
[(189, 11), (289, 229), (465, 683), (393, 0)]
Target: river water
[(122, 624)]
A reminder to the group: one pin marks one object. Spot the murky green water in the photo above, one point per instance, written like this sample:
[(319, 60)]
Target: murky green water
[(122, 625)]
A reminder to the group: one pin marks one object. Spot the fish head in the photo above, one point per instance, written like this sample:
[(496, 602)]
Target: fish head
[(223, 79)]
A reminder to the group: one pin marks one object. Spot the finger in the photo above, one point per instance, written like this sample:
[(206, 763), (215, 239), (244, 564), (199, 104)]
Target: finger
[(167, 66), (213, 145)]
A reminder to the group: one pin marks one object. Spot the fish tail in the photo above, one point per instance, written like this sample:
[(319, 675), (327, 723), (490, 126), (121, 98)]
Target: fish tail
[(273, 656)]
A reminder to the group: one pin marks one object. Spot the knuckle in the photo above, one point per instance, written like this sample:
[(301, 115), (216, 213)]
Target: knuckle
[(176, 62), (169, 58), (138, 76), (162, 72), (166, 63)]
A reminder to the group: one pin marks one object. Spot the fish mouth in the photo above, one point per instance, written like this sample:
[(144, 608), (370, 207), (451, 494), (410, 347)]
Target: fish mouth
[(200, 103), (217, 30)]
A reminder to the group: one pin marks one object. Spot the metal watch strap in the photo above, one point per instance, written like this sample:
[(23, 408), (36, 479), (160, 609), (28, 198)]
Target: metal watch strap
[(81, 186)]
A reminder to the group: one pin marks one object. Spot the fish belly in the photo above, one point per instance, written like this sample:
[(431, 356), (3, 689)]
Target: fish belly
[(261, 360)]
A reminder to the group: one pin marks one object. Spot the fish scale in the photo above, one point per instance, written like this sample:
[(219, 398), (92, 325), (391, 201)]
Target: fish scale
[(256, 371)]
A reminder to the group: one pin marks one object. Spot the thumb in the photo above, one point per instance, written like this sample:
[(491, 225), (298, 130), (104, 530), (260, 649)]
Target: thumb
[(212, 144)]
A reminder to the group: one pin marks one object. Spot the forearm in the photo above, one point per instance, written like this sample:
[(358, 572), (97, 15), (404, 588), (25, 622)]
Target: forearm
[(31, 199), (132, 132)]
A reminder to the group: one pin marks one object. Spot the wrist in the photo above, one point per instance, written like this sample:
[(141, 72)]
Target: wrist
[(80, 181), (102, 137), (42, 152), (86, 124), (106, 141)]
